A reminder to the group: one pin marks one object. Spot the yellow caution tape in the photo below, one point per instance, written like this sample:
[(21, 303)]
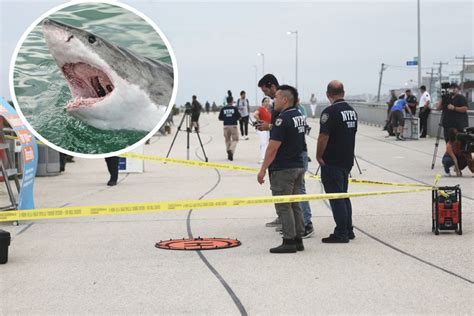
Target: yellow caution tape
[(190, 162), (136, 208), (438, 177), (377, 183), (240, 168)]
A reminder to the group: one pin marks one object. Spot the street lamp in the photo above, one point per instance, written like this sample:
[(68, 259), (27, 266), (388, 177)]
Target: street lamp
[(263, 63), (296, 56)]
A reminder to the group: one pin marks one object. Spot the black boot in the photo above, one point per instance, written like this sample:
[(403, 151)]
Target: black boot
[(299, 244), (288, 246)]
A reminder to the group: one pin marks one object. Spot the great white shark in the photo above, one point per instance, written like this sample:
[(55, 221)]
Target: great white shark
[(112, 88)]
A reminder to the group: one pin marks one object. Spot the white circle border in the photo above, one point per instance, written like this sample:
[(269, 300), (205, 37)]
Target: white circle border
[(115, 153)]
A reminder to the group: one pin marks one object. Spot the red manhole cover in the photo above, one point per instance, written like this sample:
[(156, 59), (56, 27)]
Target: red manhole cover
[(198, 244)]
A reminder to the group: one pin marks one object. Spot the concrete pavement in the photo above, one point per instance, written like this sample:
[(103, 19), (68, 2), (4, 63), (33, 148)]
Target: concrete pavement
[(109, 264)]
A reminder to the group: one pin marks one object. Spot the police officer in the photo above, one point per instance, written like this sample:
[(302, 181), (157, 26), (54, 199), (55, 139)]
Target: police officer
[(284, 161), (269, 86), (411, 101), (230, 115), (335, 154)]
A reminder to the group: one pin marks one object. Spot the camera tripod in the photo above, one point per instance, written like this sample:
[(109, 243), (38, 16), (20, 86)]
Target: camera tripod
[(438, 135), (187, 118)]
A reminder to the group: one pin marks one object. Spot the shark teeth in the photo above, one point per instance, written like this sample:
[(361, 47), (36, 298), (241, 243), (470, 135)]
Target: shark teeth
[(81, 103)]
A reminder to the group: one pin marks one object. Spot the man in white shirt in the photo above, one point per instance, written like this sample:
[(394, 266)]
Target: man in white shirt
[(425, 110)]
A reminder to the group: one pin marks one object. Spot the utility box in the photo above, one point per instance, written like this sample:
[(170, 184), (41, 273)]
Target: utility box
[(48, 162)]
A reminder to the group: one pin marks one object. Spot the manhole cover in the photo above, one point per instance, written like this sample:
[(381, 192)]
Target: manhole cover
[(198, 244)]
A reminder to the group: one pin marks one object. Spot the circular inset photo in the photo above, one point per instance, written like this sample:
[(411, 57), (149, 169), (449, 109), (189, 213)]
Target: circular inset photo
[(93, 79)]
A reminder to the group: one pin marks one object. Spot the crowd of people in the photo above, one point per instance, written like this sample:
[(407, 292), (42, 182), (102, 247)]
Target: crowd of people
[(454, 119), (281, 124)]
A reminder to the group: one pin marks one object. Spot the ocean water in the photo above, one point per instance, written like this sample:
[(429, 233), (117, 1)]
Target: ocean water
[(42, 91)]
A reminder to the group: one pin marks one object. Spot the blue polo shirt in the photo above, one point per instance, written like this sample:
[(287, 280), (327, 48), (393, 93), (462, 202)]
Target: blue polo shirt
[(399, 105), (289, 129)]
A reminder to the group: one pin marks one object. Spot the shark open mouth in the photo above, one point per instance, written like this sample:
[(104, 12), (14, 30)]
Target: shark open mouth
[(88, 85)]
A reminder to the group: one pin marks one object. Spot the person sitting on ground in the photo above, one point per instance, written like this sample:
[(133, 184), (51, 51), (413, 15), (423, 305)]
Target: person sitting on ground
[(454, 155), (398, 121)]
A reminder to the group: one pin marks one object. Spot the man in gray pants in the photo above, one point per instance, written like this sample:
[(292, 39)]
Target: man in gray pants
[(284, 161)]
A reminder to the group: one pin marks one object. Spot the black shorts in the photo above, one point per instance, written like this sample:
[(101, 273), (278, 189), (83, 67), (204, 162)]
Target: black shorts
[(397, 119)]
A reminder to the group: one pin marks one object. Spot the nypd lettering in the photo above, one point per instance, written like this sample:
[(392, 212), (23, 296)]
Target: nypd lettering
[(228, 112), (289, 129), (299, 123), (350, 118)]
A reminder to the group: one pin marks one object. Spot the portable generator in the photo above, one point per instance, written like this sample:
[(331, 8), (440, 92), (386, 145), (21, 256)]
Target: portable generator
[(447, 209)]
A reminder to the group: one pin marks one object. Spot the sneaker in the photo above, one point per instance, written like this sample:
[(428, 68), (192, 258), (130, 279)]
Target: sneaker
[(276, 222), (299, 244), (228, 154), (447, 174), (288, 246), (333, 239), (111, 183), (308, 231)]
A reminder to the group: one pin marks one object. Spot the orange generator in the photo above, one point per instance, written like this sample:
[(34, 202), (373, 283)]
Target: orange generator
[(447, 209)]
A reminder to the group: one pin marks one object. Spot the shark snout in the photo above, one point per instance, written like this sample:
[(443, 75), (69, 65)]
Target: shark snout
[(52, 23)]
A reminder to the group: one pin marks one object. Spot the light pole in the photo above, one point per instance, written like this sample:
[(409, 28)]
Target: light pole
[(256, 84), (296, 56), (419, 46), (382, 68), (263, 63)]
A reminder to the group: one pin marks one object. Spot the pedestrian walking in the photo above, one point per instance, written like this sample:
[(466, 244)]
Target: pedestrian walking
[(230, 115), (313, 103), (113, 167), (244, 110)]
